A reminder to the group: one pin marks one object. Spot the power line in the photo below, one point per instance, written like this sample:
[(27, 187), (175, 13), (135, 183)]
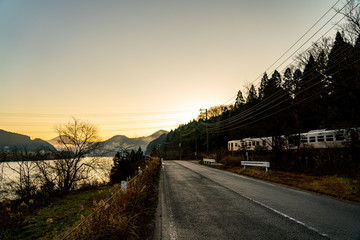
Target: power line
[(305, 35), (314, 34), (332, 7), (232, 127), (269, 101), (274, 97), (259, 105)]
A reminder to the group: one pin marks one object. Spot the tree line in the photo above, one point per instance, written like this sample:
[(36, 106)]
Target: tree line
[(322, 90)]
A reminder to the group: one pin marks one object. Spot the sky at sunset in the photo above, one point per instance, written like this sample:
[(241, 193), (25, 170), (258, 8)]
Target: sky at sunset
[(135, 67)]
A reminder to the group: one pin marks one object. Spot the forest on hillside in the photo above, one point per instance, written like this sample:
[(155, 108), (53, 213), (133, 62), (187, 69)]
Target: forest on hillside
[(321, 90)]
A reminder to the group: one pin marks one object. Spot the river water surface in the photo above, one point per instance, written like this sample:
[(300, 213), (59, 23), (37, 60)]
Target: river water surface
[(10, 174)]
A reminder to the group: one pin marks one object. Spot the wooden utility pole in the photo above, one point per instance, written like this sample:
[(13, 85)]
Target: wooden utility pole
[(207, 132), (180, 145)]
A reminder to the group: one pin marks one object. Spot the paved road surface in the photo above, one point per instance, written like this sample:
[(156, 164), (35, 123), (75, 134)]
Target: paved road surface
[(198, 202)]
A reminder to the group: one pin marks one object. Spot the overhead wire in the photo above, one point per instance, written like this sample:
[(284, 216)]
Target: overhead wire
[(305, 35), (258, 107), (276, 96), (332, 7), (254, 108), (254, 113), (276, 112), (232, 127), (314, 34), (242, 116)]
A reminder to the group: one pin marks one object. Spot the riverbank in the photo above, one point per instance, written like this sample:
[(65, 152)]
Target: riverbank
[(95, 212)]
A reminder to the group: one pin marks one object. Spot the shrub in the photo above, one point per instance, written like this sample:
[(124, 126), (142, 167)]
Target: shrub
[(123, 215), (125, 165)]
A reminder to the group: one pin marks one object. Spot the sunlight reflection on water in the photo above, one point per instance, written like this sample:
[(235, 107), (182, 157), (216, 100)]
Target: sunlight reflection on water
[(9, 174)]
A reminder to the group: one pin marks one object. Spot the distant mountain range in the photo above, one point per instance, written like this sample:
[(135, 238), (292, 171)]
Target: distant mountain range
[(10, 141), (119, 142), (56, 143)]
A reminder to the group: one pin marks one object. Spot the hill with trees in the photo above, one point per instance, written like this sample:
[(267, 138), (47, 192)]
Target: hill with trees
[(321, 90), (118, 142), (10, 141)]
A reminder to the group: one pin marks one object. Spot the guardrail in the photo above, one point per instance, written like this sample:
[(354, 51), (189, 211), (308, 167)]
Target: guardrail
[(209, 161), (256, 164)]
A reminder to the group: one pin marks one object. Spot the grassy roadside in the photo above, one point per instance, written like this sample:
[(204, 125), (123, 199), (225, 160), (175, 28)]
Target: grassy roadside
[(335, 186), (126, 215), (48, 222)]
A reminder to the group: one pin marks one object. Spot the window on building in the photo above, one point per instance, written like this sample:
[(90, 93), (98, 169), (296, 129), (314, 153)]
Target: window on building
[(329, 138), (320, 138)]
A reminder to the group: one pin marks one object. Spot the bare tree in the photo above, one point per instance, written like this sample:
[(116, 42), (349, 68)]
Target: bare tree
[(22, 182), (319, 50), (351, 27), (78, 158), (214, 112)]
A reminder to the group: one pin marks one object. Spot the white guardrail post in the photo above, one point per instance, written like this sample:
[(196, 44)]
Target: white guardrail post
[(256, 164), (209, 161)]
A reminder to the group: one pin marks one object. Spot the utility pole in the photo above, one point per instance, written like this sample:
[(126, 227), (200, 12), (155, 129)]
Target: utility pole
[(196, 151), (201, 111), (180, 144), (207, 132)]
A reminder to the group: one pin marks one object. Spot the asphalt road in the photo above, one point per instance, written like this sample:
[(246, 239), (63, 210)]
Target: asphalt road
[(198, 202)]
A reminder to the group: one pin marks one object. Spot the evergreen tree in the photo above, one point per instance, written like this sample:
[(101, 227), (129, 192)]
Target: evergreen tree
[(239, 100), (273, 84), (288, 81), (339, 60), (252, 96), (125, 164), (321, 63), (344, 82), (263, 83), (296, 81), (309, 97)]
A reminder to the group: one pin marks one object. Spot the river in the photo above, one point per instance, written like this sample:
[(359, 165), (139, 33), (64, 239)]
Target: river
[(9, 174)]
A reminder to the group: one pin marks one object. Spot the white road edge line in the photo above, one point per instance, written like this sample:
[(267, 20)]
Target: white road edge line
[(267, 207), (284, 215), (172, 227)]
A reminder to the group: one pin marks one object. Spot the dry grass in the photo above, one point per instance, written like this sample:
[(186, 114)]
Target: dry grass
[(124, 215), (28, 221), (336, 186)]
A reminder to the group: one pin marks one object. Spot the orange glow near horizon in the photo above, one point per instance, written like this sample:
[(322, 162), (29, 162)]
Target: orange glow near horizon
[(161, 60), (131, 125)]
